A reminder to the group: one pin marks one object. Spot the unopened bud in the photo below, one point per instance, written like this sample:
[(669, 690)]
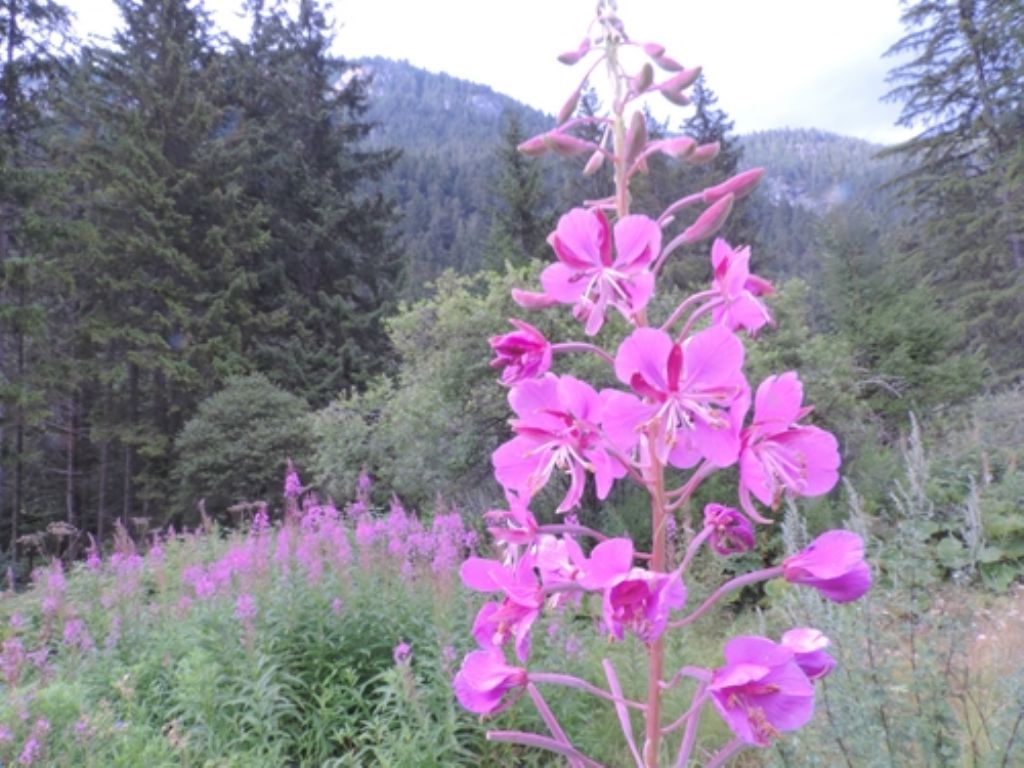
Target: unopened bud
[(708, 222), (594, 163), (643, 79), (705, 153), (740, 185), (668, 63), (636, 137), (569, 107), (680, 147), (654, 50), (531, 299), (682, 81), (678, 98), (565, 145), (571, 57), (534, 146)]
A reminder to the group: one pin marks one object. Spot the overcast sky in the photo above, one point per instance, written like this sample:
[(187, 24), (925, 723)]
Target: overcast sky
[(773, 63)]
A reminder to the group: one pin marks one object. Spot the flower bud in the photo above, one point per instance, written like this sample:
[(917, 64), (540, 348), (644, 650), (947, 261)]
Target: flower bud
[(636, 137), (704, 153), (654, 50), (571, 57), (532, 300), (534, 146), (667, 63), (682, 81), (565, 145), (739, 186), (680, 147), (568, 108), (521, 354), (594, 163), (731, 533), (833, 564), (678, 98), (643, 79), (709, 222)]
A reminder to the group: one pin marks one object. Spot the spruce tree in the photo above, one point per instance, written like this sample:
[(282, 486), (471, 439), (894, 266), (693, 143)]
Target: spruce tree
[(521, 223), (961, 89), (331, 266), (31, 33)]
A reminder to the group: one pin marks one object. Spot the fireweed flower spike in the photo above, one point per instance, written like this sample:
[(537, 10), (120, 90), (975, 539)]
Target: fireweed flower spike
[(780, 456), (683, 403), (761, 691), (589, 277), (833, 564)]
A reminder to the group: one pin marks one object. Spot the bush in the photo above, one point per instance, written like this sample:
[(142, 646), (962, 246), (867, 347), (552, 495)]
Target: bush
[(235, 448)]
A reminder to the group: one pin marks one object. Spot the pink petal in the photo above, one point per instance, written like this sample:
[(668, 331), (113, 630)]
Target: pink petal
[(645, 351), (713, 358), (637, 242), (778, 400), (563, 283)]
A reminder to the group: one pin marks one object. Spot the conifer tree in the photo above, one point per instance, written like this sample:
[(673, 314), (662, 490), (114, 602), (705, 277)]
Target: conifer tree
[(520, 225), (31, 32), (331, 268), (961, 89)]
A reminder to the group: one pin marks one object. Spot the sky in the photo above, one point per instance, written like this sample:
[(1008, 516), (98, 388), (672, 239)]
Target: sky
[(773, 63)]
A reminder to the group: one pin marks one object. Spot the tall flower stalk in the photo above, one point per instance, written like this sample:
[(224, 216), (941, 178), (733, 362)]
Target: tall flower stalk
[(680, 414)]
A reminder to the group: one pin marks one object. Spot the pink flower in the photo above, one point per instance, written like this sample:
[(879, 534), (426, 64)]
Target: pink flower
[(731, 532), (688, 390), (484, 679), (521, 354), (588, 276), (833, 564), (761, 691), (513, 618), (556, 428), (777, 454), (292, 484), (808, 651), (402, 653), (738, 289), (633, 598)]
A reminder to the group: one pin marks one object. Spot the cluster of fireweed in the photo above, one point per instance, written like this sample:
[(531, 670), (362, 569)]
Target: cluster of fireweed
[(683, 410)]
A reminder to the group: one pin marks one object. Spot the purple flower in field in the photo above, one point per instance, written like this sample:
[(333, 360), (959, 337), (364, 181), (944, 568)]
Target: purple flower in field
[(6, 737), (402, 653), (292, 483), (808, 652), (522, 354), (93, 561), (76, 635), (245, 608), (484, 679), (731, 532), (337, 606), (761, 691), (11, 658), (833, 564), (32, 750)]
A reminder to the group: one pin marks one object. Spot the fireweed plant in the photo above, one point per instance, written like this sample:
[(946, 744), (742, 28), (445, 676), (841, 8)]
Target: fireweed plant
[(683, 411)]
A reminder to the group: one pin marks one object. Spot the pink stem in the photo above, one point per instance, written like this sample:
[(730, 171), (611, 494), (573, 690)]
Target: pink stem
[(725, 753), (622, 712), (692, 721), (683, 306), (697, 673), (702, 310), (557, 678), (542, 742), (579, 346), (678, 205), (552, 722), (580, 530), (691, 550), (733, 584)]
